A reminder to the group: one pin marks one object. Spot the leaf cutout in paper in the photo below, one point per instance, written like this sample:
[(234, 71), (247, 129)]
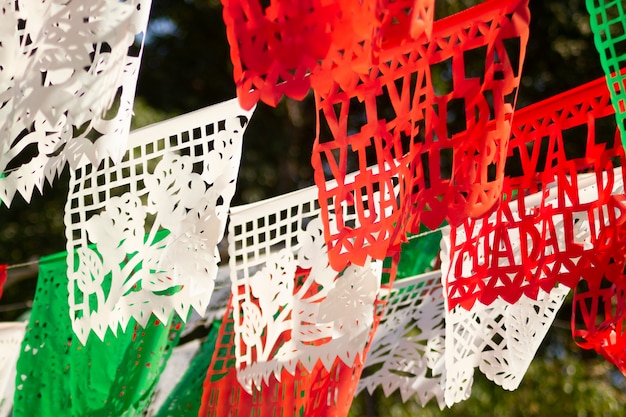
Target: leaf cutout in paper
[(317, 392), (558, 202), (430, 118), (67, 86), (608, 24), (500, 339), (155, 220), (407, 352), (294, 310)]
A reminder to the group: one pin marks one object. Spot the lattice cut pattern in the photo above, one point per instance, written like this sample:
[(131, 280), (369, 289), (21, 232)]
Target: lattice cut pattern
[(407, 352), (599, 314), (316, 393), (608, 23), (154, 219), (67, 85), (550, 218), (432, 117), (11, 335), (277, 46), (293, 309), (500, 339)]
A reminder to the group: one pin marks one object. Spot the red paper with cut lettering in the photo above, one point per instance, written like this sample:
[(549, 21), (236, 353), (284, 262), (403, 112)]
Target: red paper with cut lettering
[(561, 202), (276, 49), (3, 277), (599, 314), (421, 119), (319, 392)]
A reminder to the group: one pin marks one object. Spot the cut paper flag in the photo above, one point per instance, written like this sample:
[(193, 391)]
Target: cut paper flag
[(316, 393), (276, 47), (555, 210), (154, 219), (608, 24), (59, 376), (11, 335), (432, 117), (407, 352), (599, 299), (500, 339), (3, 277), (67, 86), (422, 349), (184, 400), (292, 311)]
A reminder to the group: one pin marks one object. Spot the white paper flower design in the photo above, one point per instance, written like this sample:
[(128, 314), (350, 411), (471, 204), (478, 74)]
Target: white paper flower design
[(63, 66), (153, 222)]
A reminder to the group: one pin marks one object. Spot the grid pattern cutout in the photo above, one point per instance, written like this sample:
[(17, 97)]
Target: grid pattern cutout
[(155, 219), (282, 285), (608, 23), (531, 243), (421, 115)]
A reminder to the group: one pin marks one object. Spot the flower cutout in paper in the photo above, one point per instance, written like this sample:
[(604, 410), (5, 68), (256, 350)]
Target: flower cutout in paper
[(155, 219), (67, 84)]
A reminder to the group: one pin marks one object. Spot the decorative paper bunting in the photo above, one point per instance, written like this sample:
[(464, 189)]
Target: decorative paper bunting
[(404, 116), (184, 400), (608, 23), (319, 392), (3, 277), (293, 311), (58, 376), (11, 335), (155, 219), (407, 351), (550, 220), (67, 86), (500, 339), (598, 319), (276, 48), (414, 352), (173, 372)]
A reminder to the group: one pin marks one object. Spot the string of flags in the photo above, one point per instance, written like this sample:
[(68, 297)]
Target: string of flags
[(445, 229)]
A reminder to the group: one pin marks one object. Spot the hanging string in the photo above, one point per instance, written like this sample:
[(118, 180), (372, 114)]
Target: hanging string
[(23, 264)]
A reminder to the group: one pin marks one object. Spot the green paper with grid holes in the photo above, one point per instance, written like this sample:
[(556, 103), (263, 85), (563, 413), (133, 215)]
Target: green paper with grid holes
[(185, 398), (608, 24), (57, 376)]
